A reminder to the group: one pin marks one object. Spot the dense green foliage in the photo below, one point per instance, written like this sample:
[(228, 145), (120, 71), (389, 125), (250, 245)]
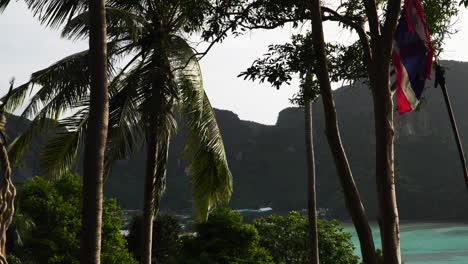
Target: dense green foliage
[(272, 239), (224, 239), (55, 210), (166, 232), (286, 238)]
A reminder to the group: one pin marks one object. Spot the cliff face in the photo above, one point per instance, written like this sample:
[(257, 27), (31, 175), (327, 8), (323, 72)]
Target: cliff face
[(268, 162)]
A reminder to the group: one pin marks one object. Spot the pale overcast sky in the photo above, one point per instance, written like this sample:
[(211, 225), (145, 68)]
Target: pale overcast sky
[(26, 46)]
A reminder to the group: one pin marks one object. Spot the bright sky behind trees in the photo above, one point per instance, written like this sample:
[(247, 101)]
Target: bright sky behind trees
[(26, 46)]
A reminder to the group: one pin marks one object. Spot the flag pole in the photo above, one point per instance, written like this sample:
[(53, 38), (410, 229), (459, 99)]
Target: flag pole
[(440, 80)]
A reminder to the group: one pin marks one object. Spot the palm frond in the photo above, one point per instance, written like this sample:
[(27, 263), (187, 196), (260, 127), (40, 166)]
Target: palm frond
[(121, 24), (17, 96), (61, 85), (159, 187), (54, 13), (3, 5), (161, 129), (182, 56), (156, 85), (208, 170), (40, 124), (62, 149), (44, 121), (130, 5), (20, 144), (64, 86), (125, 132)]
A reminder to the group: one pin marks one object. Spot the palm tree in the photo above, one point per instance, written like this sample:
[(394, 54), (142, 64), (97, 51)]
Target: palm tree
[(55, 13), (162, 78)]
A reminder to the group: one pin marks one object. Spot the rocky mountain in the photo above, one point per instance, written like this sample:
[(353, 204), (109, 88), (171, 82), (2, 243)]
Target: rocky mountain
[(268, 162)]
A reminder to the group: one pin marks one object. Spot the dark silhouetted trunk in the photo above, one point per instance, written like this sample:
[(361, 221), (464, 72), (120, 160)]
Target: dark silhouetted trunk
[(149, 211), (311, 194), (157, 138), (96, 136), (155, 185), (351, 193)]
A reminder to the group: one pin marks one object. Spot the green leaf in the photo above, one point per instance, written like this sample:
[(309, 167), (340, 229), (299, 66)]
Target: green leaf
[(54, 13), (121, 24), (61, 150), (209, 171)]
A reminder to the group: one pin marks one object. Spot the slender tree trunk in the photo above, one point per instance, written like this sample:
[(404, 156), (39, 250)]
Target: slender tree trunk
[(378, 67), (96, 136), (385, 174), (158, 143), (312, 204), (7, 194), (351, 193), (155, 185), (149, 203)]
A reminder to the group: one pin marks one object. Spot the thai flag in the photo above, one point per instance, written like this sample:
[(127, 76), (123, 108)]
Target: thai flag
[(412, 56)]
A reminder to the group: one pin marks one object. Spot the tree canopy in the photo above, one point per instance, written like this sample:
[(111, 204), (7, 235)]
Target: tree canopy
[(162, 79), (286, 238), (224, 239)]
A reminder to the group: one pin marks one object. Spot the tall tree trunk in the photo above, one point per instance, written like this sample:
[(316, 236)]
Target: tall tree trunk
[(149, 203), (155, 185), (312, 205), (378, 68), (385, 174), (158, 135), (351, 193), (7, 192), (96, 136)]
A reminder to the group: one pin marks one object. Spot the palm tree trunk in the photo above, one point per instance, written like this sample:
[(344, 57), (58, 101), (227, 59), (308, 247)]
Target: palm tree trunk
[(96, 136), (385, 174), (351, 193), (155, 185), (312, 205), (148, 206)]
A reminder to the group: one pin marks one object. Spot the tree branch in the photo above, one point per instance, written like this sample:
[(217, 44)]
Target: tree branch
[(201, 55), (356, 23), (393, 12), (374, 24), (275, 25)]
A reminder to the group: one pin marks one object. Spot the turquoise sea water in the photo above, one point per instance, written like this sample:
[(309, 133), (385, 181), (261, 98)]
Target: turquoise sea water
[(429, 243)]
